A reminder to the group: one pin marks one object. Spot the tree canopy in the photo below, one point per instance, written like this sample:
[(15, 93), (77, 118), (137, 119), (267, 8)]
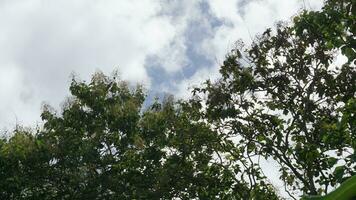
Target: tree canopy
[(285, 99), (104, 145)]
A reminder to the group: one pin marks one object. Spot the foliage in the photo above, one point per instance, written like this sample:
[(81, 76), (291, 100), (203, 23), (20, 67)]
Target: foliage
[(103, 145), (346, 191), (335, 26), (285, 98)]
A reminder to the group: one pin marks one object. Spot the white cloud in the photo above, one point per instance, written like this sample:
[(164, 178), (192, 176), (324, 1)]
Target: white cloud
[(45, 41), (184, 87), (172, 57), (241, 19), (226, 10)]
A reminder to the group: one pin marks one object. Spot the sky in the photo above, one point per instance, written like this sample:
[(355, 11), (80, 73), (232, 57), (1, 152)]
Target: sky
[(167, 45)]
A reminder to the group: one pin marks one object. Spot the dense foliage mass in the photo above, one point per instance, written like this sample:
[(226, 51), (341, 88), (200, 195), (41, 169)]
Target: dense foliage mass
[(286, 98), (103, 146)]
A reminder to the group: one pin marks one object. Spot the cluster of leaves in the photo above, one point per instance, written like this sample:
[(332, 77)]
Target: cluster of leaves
[(335, 25), (284, 98), (103, 146)]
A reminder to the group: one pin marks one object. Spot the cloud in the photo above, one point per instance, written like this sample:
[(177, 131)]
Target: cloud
[(168, 45), (239, 19), (243, 20), (182, 14), (43, 42)]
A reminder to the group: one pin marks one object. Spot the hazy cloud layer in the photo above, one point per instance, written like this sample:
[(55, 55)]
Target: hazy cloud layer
[(168, 45)]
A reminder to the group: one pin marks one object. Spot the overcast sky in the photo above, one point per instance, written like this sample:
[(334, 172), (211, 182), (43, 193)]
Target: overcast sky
[(168, 45)]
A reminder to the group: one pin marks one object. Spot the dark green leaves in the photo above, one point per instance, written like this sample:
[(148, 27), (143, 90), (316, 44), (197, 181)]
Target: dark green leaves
[(104, 145), (289, 102)]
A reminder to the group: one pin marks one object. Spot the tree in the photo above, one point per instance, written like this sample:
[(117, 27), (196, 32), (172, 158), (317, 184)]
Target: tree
[(284, 98), (105, 145), (23, 172)]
